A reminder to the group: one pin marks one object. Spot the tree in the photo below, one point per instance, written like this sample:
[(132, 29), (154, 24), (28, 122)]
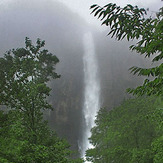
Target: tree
[(127, 133), (130, 22), (24, 135), (17, 147), (24, 74)]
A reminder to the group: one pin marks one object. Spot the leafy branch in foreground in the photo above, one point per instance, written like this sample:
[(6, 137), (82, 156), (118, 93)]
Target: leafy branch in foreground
[(130, 22)]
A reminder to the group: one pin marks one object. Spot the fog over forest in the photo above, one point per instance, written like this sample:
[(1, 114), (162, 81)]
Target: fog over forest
[(63, 30)]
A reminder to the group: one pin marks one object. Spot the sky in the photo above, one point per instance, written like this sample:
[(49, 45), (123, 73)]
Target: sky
[(81, 7)]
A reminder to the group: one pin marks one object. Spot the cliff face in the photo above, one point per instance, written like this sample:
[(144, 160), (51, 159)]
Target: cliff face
[(63, 31), (115, 59), (66, 99)]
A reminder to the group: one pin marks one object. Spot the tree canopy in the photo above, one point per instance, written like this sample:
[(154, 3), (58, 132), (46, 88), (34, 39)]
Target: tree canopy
[(24, 134), (128, 133), (24, 74), (17, 145), (25, 70), (132, 22)]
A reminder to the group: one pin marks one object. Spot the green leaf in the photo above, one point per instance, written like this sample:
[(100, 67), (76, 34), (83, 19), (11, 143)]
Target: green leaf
[(93, 6)]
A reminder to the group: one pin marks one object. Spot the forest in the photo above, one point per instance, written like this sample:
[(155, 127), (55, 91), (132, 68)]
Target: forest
[(131, 132)]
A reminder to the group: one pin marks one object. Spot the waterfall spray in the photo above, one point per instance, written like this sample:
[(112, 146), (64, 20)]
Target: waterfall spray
[(91, 91)]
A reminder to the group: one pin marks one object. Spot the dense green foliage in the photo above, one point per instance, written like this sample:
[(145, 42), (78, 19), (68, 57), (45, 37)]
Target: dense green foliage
[(24, 73), (24, 135), (129, 133), (130, 22), (17, 145)]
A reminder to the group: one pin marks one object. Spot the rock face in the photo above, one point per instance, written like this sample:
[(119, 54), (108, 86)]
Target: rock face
[(63, 32), (115, 59)]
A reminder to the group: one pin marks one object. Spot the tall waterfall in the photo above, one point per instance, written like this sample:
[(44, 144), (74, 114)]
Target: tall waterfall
[(91, 90)]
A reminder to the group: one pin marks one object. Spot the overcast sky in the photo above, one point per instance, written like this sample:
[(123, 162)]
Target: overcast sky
[(81, 7)]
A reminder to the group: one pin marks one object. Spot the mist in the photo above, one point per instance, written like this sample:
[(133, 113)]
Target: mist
[(63, 30)]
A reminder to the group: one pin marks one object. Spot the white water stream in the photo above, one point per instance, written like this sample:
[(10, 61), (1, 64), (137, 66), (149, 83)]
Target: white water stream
[(91, 90)]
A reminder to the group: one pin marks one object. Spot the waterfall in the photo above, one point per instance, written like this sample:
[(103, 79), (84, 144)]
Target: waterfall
[(91, 90)]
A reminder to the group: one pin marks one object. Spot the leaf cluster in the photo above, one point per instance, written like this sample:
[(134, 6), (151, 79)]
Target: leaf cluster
[(131, 22), (25, 73)]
